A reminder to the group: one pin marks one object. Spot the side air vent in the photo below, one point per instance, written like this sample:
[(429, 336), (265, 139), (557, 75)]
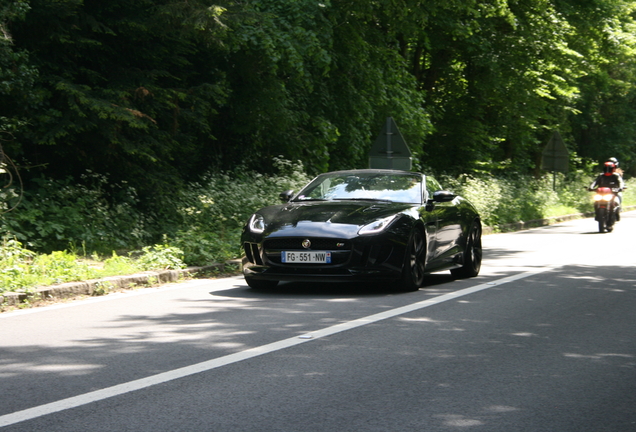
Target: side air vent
[(252, 253), (376, 254)]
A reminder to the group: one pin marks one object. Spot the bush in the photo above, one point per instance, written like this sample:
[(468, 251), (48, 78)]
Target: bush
[(161, 257), (24, 270), (214, 210), (14, 261), (502, 200), (53, 214), (203, 221), (21, 268), (629, 196)]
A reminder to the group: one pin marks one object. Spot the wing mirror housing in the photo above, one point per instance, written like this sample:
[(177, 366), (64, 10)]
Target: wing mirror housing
[(286, 196), (439, 196), (443, 196)]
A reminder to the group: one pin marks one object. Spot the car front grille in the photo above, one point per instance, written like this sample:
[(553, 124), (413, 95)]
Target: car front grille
[(340, 249), (295, 243), (342, 252)]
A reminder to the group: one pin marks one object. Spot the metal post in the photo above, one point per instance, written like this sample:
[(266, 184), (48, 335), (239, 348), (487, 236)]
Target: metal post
[(389, 151)]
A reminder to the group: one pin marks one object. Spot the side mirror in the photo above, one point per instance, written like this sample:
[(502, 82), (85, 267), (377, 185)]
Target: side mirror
[(443, 196), (286, 196)]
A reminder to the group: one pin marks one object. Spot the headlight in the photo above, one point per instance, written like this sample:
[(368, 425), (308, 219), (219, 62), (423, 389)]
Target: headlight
[(606, 197), (256, 224), (377, 226)]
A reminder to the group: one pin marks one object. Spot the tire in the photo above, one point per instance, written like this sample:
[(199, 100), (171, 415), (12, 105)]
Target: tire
[(260, 284), (611, 219), (601, 218), (414, 262), (472, 254)]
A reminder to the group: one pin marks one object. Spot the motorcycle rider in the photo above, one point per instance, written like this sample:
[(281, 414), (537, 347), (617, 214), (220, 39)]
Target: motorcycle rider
[(611, 179), (615, 162)]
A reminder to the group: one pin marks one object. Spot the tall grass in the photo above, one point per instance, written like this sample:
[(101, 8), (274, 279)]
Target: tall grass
[(23, 270)]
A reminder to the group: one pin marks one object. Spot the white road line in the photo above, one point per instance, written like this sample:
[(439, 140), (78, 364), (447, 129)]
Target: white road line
[(142, 383)]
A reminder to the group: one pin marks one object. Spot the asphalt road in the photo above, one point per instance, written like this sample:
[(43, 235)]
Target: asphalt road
[(543, 340)]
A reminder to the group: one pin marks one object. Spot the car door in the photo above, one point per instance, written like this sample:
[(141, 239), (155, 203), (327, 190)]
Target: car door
[(447, 229), (430, 215)]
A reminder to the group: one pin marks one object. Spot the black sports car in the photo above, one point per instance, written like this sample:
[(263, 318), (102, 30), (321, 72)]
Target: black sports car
[(363, 225)]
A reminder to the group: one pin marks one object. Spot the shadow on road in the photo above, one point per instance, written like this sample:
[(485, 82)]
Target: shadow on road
[(334, 289)]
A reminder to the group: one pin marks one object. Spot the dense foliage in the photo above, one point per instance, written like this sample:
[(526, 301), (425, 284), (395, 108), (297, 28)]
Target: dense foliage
[(203, 220), (164, 90)]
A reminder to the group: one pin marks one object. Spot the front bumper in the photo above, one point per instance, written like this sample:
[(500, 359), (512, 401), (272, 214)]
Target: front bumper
[(359, 259)]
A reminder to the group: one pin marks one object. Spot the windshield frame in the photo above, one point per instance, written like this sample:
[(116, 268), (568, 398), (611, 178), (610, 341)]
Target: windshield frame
[(384, 186)]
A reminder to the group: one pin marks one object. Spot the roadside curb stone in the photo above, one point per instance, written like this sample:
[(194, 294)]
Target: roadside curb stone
[(101, 286)]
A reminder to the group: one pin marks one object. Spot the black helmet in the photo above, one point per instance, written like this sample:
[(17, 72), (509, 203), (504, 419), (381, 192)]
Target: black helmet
[(609, 168)]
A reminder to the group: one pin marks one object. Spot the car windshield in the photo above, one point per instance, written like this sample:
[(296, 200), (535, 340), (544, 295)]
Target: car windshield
[(394, 187)]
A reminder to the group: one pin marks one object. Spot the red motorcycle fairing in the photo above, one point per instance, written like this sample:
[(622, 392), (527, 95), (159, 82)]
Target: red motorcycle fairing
[(604, 209)]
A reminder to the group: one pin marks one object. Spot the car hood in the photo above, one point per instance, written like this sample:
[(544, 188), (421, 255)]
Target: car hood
[(327, 219)]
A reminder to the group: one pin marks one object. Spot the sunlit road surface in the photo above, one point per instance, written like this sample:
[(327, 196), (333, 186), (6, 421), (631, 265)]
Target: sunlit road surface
[(543, 340)]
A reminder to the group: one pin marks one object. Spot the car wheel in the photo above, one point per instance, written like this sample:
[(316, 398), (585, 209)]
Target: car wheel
[(261, 284), (413, 270), (472, 254)]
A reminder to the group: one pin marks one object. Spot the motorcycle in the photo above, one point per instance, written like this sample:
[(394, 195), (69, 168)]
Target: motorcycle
[(606, 208)]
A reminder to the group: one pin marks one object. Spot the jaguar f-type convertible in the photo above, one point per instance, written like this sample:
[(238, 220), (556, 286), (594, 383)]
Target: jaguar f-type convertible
[(363, 225)]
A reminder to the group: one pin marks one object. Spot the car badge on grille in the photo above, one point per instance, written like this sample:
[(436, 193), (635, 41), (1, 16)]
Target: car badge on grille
[(339, 244), (306, 244)]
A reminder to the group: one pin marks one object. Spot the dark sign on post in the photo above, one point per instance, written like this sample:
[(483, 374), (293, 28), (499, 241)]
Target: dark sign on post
[(556, 156), (390, 150)]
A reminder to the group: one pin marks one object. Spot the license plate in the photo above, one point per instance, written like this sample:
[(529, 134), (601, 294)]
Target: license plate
[(310, 257)]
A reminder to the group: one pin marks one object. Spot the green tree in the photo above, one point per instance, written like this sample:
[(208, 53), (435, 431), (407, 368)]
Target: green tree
[(497, 77), (159, 92), (17, 77), (314, 81), (605, 122), (125, 89)]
